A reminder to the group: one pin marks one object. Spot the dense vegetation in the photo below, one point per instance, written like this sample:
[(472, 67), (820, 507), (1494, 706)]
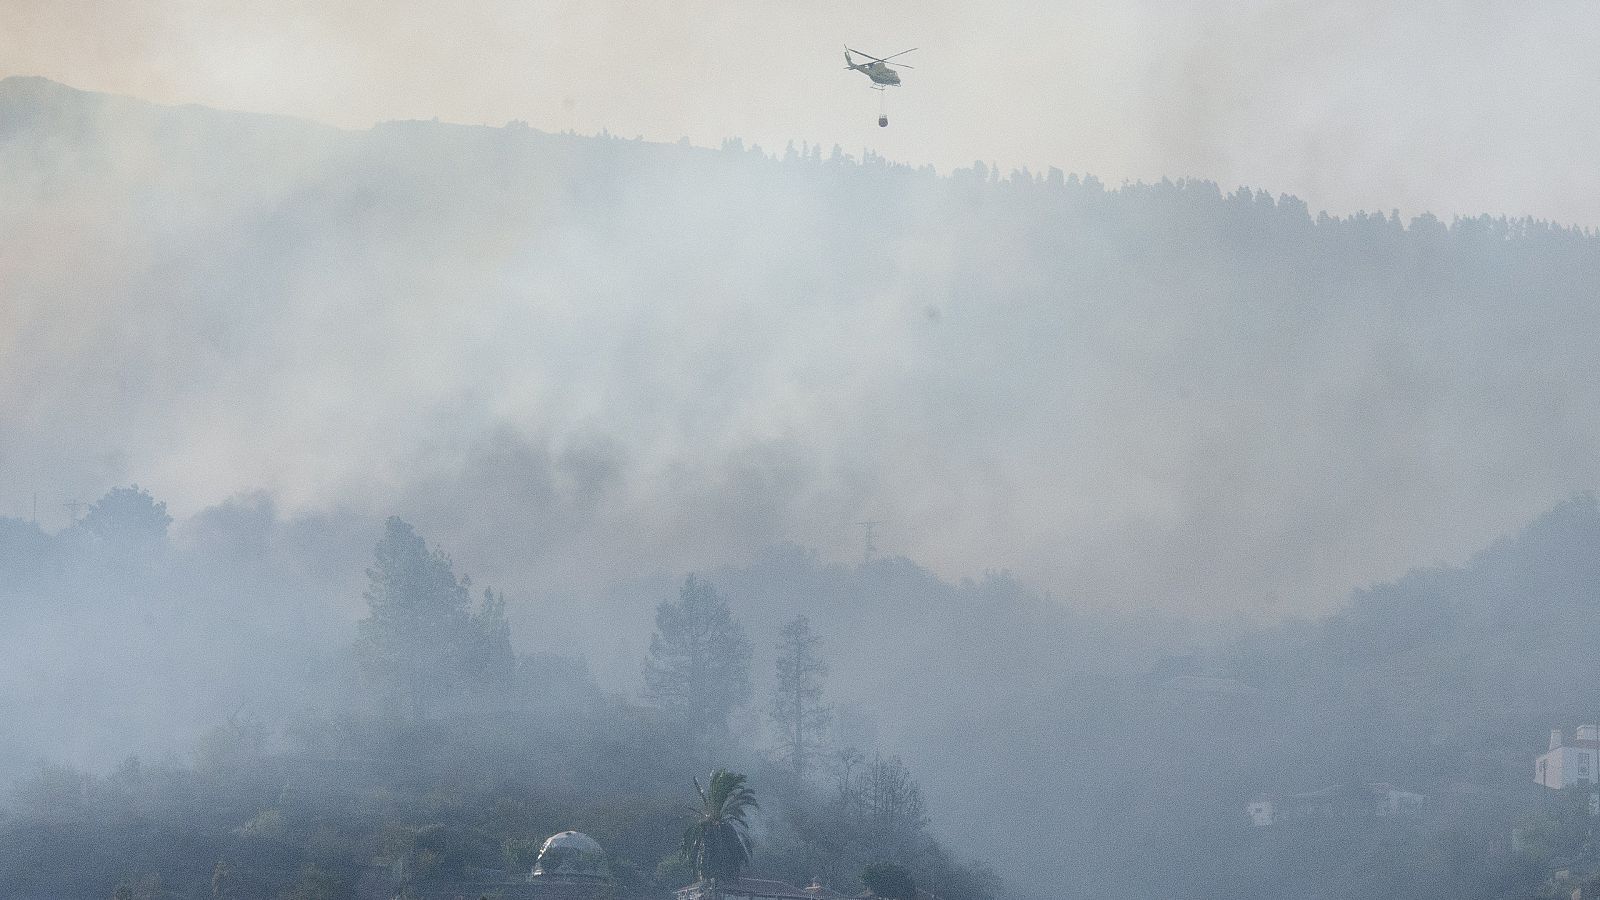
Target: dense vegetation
[(437, 743), (1444, 682)]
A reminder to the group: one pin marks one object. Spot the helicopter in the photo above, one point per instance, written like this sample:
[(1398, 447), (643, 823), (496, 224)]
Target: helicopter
[(880, 71)]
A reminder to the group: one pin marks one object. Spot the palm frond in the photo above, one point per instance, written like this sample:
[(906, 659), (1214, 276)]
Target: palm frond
[(718, 844)]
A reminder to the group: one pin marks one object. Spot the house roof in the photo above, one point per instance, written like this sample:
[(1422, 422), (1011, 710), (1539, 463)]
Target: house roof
[(765, 887), (779, 890), (921, 895)]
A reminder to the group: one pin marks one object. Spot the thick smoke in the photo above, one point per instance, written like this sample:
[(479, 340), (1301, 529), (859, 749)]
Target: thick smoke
[(573, 360)]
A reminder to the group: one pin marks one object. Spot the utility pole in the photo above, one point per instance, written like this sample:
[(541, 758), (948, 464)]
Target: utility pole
[(868, 547), (72, 510)]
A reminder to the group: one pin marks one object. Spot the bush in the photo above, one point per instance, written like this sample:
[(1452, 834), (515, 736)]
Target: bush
[(889, 881)]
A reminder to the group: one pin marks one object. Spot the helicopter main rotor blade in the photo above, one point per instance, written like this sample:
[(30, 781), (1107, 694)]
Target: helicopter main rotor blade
[(893, 55), (868, 55)]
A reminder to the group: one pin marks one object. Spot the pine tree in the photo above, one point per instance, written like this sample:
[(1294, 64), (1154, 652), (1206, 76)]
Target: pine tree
[(797, 708), (698, 667), (421, 641)]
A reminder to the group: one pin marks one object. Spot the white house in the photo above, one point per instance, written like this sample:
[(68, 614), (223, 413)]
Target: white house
[(1570, 762)]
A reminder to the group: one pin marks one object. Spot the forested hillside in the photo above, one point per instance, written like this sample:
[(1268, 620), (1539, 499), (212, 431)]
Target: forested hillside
[(1125, 450), (422, 737), (322, 759)]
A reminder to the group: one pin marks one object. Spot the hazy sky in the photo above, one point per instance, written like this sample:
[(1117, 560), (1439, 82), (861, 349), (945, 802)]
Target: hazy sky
[(1457, 107)]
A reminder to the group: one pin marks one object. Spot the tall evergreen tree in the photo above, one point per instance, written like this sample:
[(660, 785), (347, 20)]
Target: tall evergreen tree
[(797, 709), (421, 641), (698, 666)]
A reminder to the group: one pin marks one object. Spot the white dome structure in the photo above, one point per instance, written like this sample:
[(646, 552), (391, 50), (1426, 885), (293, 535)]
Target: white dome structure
[(571, 856)]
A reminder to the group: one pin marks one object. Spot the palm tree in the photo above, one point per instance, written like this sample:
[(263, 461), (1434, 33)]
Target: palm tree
[(717, 845)]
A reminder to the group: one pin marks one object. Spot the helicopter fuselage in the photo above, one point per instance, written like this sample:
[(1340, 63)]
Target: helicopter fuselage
[(880, 73)]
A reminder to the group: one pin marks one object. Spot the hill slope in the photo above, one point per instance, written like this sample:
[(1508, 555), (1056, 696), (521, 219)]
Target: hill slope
[(664, 354)]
